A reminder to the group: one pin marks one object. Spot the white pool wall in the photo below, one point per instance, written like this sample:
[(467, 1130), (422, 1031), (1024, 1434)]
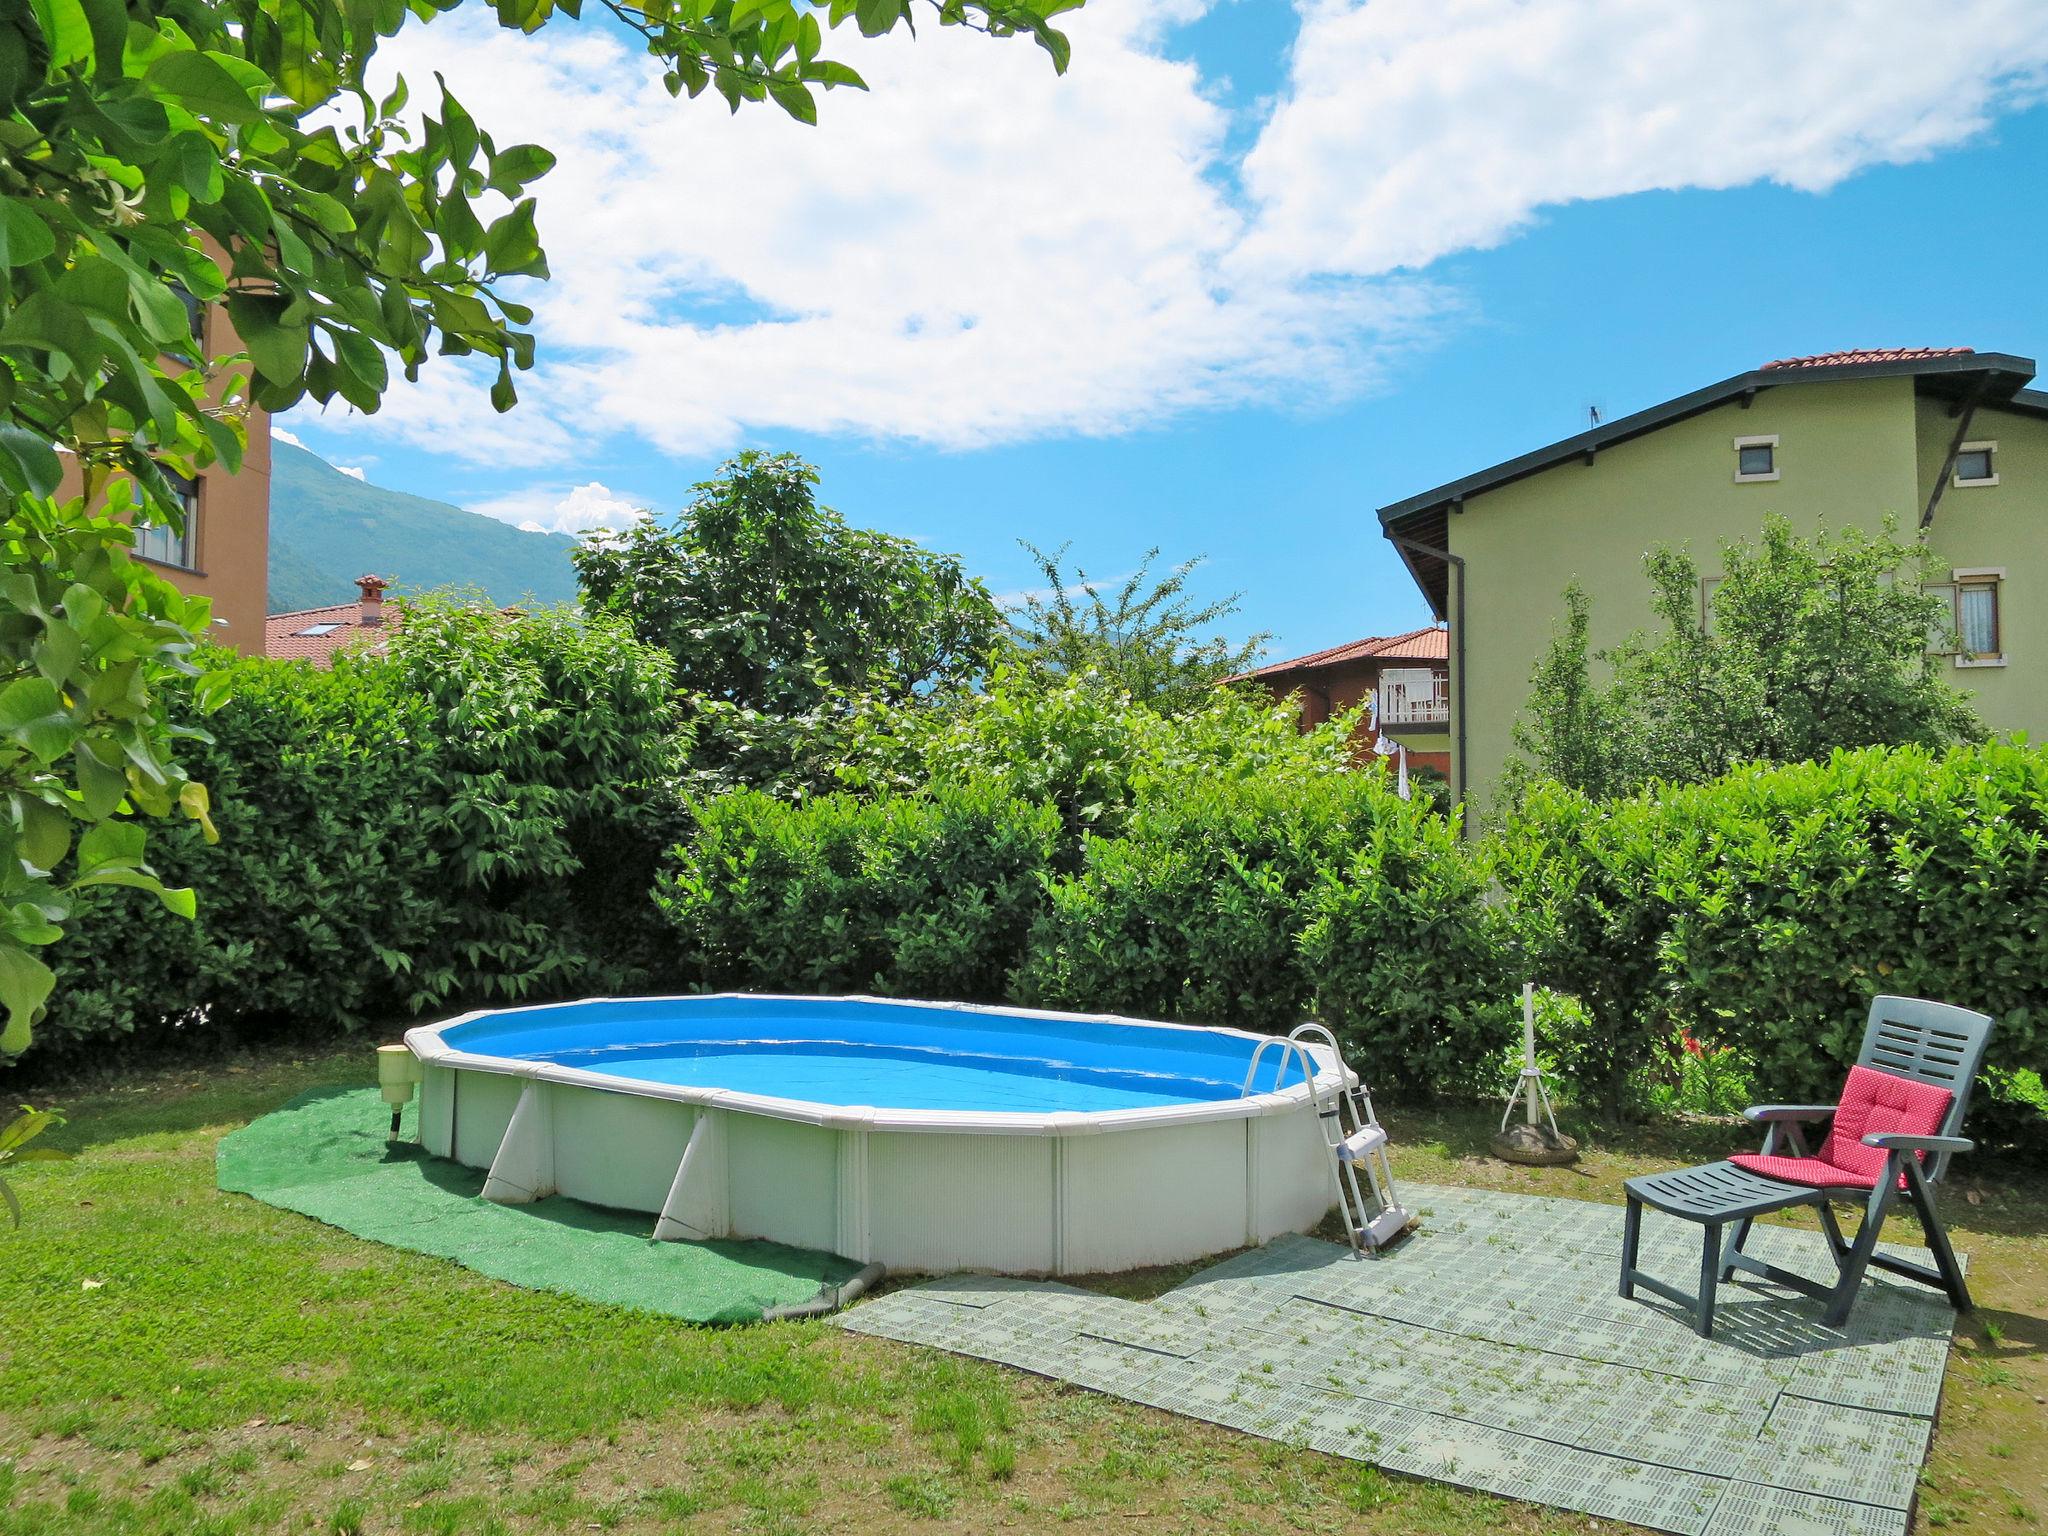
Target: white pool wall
[(1065, 1193)]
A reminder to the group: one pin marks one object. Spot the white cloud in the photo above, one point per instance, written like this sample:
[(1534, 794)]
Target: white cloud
[(449, 412), (1418, 128), (980, 251), (551, 509), (282, 435), (353, 472)]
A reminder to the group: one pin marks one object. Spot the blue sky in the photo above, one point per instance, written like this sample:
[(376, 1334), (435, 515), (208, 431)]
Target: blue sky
[(1338, 372)]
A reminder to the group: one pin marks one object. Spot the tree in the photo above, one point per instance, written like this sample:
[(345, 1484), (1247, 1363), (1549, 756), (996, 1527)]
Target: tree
[(1143, 638), (229, 151), (773, 603), (1813, 645), (1566, 729)]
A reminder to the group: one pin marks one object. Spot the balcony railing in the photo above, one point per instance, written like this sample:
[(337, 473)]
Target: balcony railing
[(1414, 697)]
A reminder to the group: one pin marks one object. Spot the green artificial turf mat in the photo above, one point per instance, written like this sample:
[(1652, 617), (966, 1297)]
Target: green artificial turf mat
[(325, 1155)]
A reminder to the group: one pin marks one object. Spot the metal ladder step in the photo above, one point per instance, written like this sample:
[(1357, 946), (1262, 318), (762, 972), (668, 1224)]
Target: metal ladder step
[(1360, 1145), (1353, 1137)]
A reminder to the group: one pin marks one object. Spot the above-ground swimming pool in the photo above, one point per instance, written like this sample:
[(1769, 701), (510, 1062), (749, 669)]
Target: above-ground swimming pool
[(923, 1136)]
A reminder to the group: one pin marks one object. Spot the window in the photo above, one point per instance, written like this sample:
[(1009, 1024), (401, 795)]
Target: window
[(1709, 585), (1974, 464), (1980, 627), (195, 317), (1756, 458), (171, 546), (317, 629)]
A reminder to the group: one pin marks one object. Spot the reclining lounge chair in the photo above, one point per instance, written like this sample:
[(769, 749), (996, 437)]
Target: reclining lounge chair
[(1893, 1132)]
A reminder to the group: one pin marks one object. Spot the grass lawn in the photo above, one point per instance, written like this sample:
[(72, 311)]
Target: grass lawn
[(173, 1359)]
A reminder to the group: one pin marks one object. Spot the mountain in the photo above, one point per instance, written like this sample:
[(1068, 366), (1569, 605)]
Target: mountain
[(327, 528)]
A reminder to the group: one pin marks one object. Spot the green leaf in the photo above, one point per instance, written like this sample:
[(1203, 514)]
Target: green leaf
[(877, 17), (303, 70), (32, 714), (197, 83), (25, 984), (111, 845), (198, 806), (1055, 43), (28, 464), (24, 238), (191, 161), (58, 651), (102, 787), (277, 347), (25, 1128), (23, 923), (67, 30), (513, 247), (180, 900), (795, 100), (108, 20), (829, 72), (49, 324), (513, 168), (45, 832)]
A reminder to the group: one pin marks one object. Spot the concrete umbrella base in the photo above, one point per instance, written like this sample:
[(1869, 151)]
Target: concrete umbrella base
[(1536, 1146)]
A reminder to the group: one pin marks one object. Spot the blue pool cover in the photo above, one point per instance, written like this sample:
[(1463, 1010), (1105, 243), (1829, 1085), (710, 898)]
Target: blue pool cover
[(858, 1051)]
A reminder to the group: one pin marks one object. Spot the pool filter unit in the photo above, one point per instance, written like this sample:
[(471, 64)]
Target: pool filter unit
[(398, 1073)]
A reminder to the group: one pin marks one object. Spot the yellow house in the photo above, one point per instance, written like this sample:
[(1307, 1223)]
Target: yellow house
[(1949, 441)]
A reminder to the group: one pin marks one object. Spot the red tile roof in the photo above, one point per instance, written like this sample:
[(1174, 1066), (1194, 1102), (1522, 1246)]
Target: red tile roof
[(1876, 355), (1430, 644), (284, 637)]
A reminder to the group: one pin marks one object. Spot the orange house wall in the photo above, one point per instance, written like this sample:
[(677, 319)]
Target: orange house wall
[(1328, 691)]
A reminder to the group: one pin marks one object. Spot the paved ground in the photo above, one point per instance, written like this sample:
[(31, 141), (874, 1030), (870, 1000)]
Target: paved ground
[(1490, 1349)]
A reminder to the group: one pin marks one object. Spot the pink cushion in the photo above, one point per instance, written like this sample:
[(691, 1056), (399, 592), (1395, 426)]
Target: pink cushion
[(1871, 1102), (1803, 1170)]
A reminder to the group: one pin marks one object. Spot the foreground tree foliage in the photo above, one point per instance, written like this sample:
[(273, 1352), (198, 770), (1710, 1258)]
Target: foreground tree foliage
[(231, 152), (1810, 645)]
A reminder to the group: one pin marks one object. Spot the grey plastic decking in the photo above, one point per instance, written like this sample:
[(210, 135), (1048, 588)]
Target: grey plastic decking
[(1490, 1350)]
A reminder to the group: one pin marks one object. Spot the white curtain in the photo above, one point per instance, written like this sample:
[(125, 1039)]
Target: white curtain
[(1977, 618)]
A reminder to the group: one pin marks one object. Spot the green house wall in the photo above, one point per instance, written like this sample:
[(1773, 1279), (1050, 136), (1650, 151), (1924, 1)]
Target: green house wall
[(1849, 453)]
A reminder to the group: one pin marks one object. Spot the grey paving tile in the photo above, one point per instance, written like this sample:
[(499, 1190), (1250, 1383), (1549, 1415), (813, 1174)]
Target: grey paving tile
[(1490, 1349)]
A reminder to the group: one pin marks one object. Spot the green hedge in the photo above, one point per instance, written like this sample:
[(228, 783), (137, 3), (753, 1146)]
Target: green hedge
[(312, 904), (1195, 911), (1765, 909), (1414, 963), (1259, 904), (1236, 901), (475, 818), (907, 896), (487, 816)]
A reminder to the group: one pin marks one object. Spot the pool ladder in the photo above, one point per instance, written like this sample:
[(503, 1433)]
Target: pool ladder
[(1373, 1216)]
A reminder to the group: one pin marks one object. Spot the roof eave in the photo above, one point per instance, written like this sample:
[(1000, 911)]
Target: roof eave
[(2030, 402), (2018, 369)]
